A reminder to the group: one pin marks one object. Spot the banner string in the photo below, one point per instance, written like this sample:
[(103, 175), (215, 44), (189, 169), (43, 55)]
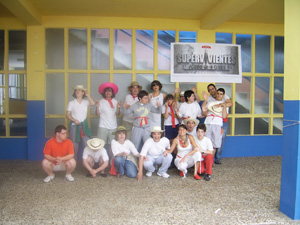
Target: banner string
[(295, 122)]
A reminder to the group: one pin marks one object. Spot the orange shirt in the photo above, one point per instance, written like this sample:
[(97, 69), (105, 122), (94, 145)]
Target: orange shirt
[(55, 149)]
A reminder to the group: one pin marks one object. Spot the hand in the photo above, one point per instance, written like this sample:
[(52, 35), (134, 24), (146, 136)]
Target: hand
[(166, 153), (76, 122), (146, 158), (125, 154), (139, 176), (194, 89), (119, 104), (93, 172), (182, 160), (205, 95), (86, 94), (125, 105), (58, 160), (177, 90), (158, 104)]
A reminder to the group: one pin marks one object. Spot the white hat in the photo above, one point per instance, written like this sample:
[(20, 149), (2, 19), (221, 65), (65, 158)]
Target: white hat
[(215, 109), (80, 87), (181, 94), (156, 129), (95, 144), (191, 119)]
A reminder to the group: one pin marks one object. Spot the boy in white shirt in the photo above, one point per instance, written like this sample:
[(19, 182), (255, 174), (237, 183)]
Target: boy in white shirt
[(206, 147), (153, 153), (93, 154)]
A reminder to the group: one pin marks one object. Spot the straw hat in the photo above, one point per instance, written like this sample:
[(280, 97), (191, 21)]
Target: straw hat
[(156, 129), (119, 128), (181, 94), (79, 87), (213, 108), (191, 119), (95, 144), (134, 83), (113, 86)]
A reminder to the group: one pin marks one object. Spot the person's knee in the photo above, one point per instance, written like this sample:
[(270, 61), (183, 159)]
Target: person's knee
[(71, 163), (118, 159), (131, 174), (46, 163)]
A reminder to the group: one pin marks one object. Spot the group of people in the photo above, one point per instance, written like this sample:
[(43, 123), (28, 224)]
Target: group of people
[(140, 142)]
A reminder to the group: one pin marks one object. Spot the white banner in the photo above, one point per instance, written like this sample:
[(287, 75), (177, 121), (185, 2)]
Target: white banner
[(206, 62)]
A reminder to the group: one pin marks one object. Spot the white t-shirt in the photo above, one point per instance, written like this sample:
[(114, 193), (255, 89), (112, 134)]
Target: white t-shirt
[(78, 110), (212, 99), (155, 149), (194, 132), (168, 121), (95, 154), (130, 100), (192, 110), (205, 144), (128, 147), (212, 118), (108, 118)]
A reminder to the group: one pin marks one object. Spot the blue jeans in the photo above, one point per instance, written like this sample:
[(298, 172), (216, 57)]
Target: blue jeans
[(219, 150), (122, 165)]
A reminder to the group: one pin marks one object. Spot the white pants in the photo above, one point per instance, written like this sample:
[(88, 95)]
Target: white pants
[(189, 162)]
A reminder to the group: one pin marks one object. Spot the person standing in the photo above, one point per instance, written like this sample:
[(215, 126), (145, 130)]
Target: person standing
[(130, 99), (77, 110)]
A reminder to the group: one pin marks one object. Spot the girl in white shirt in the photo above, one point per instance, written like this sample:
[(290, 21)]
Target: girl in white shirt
[(124, 153)]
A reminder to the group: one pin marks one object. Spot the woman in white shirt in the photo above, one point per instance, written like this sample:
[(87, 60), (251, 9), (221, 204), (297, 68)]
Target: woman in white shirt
[(125, 154), (77, 113)]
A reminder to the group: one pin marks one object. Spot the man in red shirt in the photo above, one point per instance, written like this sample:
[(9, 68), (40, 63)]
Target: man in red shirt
[(59, 155)]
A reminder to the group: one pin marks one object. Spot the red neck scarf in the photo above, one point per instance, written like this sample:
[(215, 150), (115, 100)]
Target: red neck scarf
[(110, 102), (134, 97), (173, 116)]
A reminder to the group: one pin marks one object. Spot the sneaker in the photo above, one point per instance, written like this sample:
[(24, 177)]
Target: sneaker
[(148, 174), (164, 175), (207, 177), (197, 177), (69, 177), (49, 178), (103, 174)]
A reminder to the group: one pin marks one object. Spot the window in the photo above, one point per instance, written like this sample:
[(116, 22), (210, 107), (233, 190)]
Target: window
[(13, 84), (252, 112)]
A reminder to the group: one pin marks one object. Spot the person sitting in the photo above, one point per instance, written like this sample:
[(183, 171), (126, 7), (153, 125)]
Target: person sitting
[(125, 154), (153, 154), (206, 148), (59, 155), (95, 158), (188, 154)]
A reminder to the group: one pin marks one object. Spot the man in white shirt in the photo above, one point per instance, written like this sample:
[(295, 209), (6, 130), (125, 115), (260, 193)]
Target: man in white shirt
[(211, 88), (153, 153)]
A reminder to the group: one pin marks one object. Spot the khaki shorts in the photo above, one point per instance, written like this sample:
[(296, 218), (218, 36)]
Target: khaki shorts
[(59, 167)]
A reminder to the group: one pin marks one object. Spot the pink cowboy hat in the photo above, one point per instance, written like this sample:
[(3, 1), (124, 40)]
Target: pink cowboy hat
[(108, 85)]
